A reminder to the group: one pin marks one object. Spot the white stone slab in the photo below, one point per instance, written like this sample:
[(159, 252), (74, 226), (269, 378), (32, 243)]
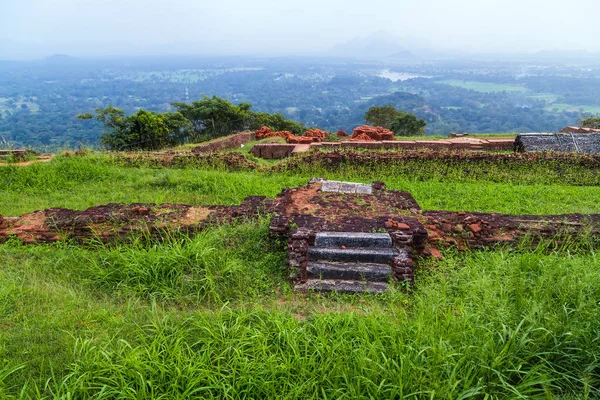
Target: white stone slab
[(346, 187), (364, 189)]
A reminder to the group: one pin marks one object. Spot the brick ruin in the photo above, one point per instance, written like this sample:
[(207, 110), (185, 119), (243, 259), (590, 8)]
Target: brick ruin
[(320, 208), (361, 141), (341, 236), (112, 222)]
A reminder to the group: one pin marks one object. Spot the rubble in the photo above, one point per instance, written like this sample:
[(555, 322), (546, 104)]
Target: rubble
[(265, 132), (374, 132), (317, 135)]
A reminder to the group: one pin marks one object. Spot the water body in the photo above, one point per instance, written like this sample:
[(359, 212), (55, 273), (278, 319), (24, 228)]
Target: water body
[(399, 76)]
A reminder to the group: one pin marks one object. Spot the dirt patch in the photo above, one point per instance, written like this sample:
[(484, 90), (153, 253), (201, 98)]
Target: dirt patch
[(40, 159)]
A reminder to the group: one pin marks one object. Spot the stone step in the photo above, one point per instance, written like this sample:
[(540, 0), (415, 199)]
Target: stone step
[(357, 254), (326, 285), (371, 272), (352, 239)]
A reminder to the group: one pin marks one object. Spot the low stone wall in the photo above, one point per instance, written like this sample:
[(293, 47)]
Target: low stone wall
[(586, 143), (227, 143), (479, 230), (459, 144), (272, 150)]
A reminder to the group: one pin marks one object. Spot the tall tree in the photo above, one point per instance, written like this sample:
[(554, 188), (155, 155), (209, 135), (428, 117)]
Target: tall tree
[(381, 115), (143, 130), (406, 124), (213, 117)]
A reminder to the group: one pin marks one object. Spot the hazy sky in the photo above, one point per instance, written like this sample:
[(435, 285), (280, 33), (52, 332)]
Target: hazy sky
[(116, 27)]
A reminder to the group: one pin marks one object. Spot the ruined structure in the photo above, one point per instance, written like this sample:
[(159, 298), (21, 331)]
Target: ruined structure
[(579, 129), (338, 239), (273, 150), (377, 133), (310, 136), (349, 237), (341, 236), (226, 143), (587, 143), (18, 154)]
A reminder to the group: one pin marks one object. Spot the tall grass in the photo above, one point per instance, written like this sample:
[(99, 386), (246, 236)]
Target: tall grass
[(81, 182), (211, 316), (495, 324), (219, 265)]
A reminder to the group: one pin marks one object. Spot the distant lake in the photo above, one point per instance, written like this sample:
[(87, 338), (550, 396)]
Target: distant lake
[(399, 76)]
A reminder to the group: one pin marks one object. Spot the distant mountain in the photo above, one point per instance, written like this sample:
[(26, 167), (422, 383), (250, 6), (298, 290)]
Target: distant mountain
[(380, 44)]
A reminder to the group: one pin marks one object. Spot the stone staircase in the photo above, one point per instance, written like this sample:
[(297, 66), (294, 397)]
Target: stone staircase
[(350, 262)]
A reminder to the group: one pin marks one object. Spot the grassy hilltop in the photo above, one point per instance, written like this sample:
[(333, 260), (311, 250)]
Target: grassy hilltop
[(212, 316)]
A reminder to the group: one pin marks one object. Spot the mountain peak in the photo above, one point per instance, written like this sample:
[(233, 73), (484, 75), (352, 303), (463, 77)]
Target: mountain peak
[(379, 44)]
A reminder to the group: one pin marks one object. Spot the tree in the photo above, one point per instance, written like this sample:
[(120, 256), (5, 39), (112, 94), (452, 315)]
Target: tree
[(213, 117), (591, 122), (381, 115), (276, 122), (143, 130), (406, 124), (401, 122), (85, 116)]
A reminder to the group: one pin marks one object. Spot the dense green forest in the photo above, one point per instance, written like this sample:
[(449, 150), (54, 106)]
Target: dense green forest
[(39, 100)]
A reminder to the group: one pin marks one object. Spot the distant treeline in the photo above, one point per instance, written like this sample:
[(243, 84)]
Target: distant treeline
[(39, 101)]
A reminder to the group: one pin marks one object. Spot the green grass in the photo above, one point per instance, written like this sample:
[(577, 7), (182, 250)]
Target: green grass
[(82, 182), (211, 317), (484, 86)]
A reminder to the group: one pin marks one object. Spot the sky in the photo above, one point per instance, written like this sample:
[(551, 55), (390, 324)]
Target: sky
[(39, 28)]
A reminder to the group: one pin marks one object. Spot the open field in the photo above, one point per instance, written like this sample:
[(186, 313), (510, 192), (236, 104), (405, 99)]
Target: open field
[(213, 316), (484, 86), (570, 107)]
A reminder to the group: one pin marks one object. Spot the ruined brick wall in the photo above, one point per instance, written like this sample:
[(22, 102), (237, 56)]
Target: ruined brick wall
[(447, 145), (272, 150), (227, 143), (479, 230), (119, 221)]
